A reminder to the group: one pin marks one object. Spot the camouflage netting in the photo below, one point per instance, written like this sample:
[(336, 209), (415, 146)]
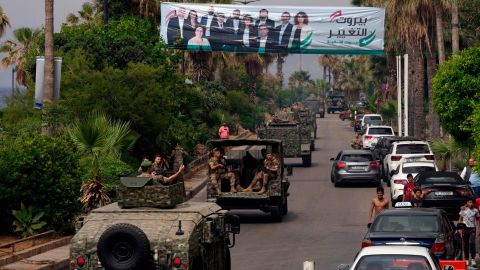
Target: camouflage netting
[(158, 196)]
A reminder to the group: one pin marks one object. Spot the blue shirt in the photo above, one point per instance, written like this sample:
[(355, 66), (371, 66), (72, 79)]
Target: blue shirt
[(474, 178)]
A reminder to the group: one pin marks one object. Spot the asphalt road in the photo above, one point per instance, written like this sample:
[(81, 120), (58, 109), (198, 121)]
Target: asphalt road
[(324, 224)]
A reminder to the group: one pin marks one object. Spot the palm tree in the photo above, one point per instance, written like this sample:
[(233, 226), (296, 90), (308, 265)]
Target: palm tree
[(4, 22), (88, 14), (451, 152), (95, 137), (48, 82), (280, 62), (254, 64), (17, 51)]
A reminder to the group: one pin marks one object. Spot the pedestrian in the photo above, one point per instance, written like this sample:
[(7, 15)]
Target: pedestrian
[(408, 188), (356, 142), (417, 199), (378, 204), (224, 131), (470, 174), (468, 216)]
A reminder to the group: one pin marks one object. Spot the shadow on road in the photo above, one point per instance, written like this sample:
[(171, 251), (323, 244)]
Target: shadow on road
[(259, 217)]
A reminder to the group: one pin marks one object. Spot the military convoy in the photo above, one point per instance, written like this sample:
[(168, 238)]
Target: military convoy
[(316, 105), (244, 157), (151, 227), (297, 132)]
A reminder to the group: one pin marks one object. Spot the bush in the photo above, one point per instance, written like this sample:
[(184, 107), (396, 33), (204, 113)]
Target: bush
[(42, 172), (456, 90)]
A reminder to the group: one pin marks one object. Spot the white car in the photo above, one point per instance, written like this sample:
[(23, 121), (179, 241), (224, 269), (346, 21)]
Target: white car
[(399, 257), (373, 133), (399, 177), (409, 151), (371, 120)]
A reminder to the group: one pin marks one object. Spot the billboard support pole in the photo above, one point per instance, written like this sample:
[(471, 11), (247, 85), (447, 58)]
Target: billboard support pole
[(399, 94), (405, 93)]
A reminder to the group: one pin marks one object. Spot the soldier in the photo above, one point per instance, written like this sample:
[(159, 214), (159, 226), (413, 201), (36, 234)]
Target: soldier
[(356, 142), (163, 180), (218, 171), (269, 171), (159, 163), (145, 168)]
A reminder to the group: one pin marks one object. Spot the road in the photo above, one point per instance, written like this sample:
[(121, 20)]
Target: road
[(324, 223)]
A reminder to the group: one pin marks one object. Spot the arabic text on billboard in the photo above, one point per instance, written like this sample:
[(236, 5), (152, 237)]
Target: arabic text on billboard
[(275, 29)]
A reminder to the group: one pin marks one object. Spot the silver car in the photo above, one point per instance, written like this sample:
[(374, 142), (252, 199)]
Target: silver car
[(355, 166)]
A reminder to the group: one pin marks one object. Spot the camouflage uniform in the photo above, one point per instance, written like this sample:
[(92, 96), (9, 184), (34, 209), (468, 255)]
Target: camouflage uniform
[(270, 172), (220, 173)]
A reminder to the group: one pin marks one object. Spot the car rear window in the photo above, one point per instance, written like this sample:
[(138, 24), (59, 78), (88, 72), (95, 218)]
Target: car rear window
[(373, 118), (413, 149), (406, 223), (393, 261), (431, 180), (417, 169), (357, 157), (380, 131)]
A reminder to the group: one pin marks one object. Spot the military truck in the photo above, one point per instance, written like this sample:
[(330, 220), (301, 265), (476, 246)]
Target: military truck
[(313, 103), (336, 103), (151, 227), (244, 157), (308, 124), (297, 142)]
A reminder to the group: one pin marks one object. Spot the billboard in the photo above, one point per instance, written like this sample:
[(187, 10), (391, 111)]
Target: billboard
[(273, 29)]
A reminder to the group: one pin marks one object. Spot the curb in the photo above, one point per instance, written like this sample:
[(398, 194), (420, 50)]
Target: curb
[(194, 191)]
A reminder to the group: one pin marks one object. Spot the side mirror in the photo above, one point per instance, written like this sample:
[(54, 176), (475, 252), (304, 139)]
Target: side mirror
[(344, 267), (233, 223), (332, 159), (289, 170)]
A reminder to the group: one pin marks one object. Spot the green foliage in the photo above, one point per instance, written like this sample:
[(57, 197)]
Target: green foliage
[(238, 102), (26, 223), (452, 152), (41, 171), (389, 110), (456, 90)]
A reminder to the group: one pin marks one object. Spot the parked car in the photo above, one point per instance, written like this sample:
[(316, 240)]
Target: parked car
[(357, 121), (399, 178), (354, 166), (383, 145), (344, 115), (429, 228), (373, 133), (372, 120), (401, 257), (444, 190), (411, 150)]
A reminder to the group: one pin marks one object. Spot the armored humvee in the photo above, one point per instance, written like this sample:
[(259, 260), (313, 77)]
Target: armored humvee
[(297, 142), (151, 227), (244, 157)]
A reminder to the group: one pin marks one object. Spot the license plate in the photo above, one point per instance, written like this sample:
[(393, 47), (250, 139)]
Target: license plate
[(412, 159), (359, 168), (444, 193)]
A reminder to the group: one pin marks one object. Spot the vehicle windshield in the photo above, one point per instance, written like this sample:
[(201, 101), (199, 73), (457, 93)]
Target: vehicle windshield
[(441, 180), (380, 131), (417, 169), (369, 119), (357, 157), (406, 223), (413, 149), (393, 262)]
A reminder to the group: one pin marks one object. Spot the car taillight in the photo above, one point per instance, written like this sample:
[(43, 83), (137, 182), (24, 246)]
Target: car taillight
[(374, 165), (465, 193), (368, 137), (438, 247), (429, 157), (395, 158), (341, 165), (400, 181), (366, 243), (72, 265), (80, 261), (177, 262)]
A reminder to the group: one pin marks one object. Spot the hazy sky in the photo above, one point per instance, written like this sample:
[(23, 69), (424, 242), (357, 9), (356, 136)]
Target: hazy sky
[(30, 13)]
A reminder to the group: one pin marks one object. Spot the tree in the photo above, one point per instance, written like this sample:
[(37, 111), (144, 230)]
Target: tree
[(19, 49), (48, 82), (95, 137), (88, 15), (455, 92), (4, 22)]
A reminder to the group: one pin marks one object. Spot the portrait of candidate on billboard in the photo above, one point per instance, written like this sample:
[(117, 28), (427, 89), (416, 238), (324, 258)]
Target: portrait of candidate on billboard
[(274, 29)]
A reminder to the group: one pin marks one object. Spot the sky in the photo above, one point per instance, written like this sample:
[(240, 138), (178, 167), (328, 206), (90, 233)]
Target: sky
[(30, 13)]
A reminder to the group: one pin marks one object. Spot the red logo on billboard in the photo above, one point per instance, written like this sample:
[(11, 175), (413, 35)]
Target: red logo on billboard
[(335, 15)]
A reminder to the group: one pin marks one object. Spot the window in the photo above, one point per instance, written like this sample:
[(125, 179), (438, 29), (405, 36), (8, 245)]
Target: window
[(357, 157), (380, 131), (413, 149), (373, 118), (411, 223), (417, 169), (441, 180), (393, 262)]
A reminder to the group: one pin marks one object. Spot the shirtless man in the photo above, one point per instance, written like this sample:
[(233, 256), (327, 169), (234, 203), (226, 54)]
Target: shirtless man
[(378, 205)]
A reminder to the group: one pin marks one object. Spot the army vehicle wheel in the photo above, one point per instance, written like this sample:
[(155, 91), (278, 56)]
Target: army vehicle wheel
[(123, 247), (307, 160), (228, 261), (277, 213)]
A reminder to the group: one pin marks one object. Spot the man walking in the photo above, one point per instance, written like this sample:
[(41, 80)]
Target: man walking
[(470, 174), (469, 216), (378, 204), (408, 188)]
